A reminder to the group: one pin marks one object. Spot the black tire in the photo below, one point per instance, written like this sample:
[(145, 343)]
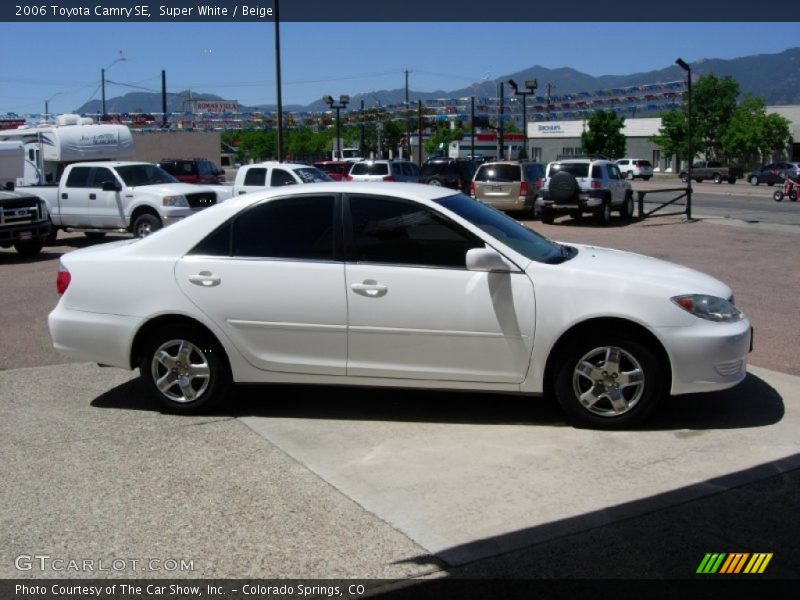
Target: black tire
[(563, 187), (435, 182), (684, 178), (778, 196), (31, 248), (717, 178), (603, 214), (731, 180), (145, 224), (548, 215), (95, 235), (793, 195), (629, 176), (699, 180), (626, 212), (52, 237), (194, 387), (754, 180), (618, 377)]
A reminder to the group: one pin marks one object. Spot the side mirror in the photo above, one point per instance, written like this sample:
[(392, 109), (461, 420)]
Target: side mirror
[(486, 259), (112, 186)]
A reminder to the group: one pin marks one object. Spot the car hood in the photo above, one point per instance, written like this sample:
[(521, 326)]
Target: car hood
[(628, 268), (173, 189)]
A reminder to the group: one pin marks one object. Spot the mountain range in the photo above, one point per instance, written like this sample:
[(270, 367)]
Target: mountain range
[(775, 77)]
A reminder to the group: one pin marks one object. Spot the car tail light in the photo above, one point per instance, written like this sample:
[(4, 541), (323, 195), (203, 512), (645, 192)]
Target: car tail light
[(389, 178), (596, 184), (472, 188), (348, 178), (63, 279), (523, 188)]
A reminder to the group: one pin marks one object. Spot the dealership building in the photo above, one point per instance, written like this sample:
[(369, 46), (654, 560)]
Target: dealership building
[(550, 139)]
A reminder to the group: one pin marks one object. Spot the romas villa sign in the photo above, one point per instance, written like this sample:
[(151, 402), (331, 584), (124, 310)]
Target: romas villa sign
[(215, 107)]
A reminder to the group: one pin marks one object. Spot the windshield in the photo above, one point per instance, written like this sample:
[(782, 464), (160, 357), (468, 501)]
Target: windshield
[(144, 174), (505, 229), (312, 175)]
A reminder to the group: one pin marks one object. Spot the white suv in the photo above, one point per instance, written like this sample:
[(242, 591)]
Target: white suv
[(384, 170), (631, 168), (579, 185)]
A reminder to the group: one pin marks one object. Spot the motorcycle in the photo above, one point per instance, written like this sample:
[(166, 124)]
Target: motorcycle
[(790, 189)]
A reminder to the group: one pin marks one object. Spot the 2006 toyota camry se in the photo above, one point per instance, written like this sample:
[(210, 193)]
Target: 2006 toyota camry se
[(400, 285)]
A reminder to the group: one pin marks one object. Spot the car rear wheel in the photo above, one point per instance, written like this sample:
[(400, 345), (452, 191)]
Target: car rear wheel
[(609, 381), (629, 175), (717, 178), (435, 182), (548, 215), (30, 248), (185, 369), (603, 214), (754, 180), (626, 212)]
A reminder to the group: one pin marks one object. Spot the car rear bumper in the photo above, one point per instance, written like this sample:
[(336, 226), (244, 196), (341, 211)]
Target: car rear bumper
[(96, 337), (520, 203)]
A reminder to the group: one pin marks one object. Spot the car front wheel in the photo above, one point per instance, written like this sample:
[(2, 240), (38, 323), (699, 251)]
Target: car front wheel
[(603, 214), (184, 369), (754, 180), (608, 381), (145, 224)]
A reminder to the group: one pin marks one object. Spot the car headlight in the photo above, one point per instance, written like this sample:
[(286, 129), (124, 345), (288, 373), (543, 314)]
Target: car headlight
[(710, 308), (175, 201)]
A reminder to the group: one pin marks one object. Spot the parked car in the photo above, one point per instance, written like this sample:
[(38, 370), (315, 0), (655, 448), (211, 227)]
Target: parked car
[(193, 170), (430, 289), (631, 168), (580, 185), (713, 170), (384, 170), (774, 173), (448, 172), (251, 178), (508, 185), (337, 170), (24, 222)]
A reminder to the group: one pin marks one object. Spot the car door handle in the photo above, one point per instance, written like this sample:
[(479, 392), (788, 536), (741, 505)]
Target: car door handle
[(205, 279), (64, 196), (369, 288), (92, 196)]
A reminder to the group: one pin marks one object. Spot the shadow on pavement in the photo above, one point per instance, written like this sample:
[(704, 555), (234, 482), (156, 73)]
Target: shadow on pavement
[(753, 403)]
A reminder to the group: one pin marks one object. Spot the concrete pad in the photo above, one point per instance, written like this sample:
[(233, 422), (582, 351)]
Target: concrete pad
[(91, 470), (459, 486)]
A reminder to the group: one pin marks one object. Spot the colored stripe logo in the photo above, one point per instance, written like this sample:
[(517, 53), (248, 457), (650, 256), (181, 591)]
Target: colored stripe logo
[(734, 563)]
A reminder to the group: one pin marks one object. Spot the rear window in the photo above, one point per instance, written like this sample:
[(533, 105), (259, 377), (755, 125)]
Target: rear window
[(643, 163), (501, 173), (370, 169), (574, 169)]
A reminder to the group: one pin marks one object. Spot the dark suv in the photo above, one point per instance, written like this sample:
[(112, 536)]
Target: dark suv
[(193, 170), (448, 172)]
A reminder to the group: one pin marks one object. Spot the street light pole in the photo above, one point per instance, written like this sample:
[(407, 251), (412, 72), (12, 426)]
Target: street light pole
[(103, 81), (343, 102), (279, 96), (685, 66), (531, 85), (47, 105)]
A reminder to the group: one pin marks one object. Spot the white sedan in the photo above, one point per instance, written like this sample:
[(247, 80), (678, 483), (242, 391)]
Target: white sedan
[(399, 285)]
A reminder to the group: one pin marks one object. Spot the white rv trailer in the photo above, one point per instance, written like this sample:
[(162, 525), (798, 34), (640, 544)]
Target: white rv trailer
[(49, 148)]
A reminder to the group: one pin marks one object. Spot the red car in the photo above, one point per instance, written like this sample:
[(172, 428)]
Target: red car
[(336, 169), (193, 170)]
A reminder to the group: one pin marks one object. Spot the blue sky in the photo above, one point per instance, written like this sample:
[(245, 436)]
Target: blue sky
[(62, 61)]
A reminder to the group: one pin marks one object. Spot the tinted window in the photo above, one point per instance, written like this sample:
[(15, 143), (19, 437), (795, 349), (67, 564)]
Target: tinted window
[(370, 169), (575, 169), (257, 176), (503, 228), (144, 174), (78, 177), (534, 172), (280, 177), (597, 172), (101, 175), (312, 175), (504, 173), (299, 228), (406, 233)]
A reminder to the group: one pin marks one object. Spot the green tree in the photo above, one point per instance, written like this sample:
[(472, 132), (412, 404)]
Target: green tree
[(713, 106), (603, 134), (752, 131), (443, 135)]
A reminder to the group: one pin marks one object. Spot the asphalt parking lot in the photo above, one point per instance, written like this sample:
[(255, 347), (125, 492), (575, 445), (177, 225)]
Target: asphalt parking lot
[(294, 481)]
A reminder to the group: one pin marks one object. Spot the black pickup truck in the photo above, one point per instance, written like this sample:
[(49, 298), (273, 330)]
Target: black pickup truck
[(713, 170), (24, 222)]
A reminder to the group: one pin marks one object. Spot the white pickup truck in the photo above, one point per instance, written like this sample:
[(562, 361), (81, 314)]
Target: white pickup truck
[(251, 178), (96, 197)]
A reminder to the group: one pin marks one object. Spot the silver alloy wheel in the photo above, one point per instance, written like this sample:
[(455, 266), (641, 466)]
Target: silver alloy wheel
[(608, 381), (180, 371), (435, 182), (144, 229)]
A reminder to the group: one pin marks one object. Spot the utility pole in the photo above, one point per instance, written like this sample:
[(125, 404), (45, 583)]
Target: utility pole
[(419, 125), (550, 87), (279, 140), (164, 98), (408, 132), (500, 130), (362, 146), (472, 132)]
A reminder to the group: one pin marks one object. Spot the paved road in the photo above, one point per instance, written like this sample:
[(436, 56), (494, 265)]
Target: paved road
[(752, 204)]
